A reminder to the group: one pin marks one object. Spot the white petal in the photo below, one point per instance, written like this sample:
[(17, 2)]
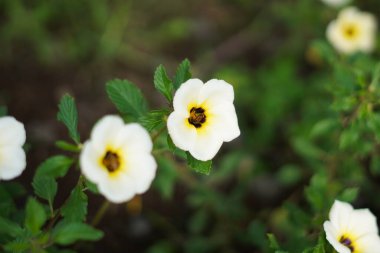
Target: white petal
[(181, 132), (90, 163), (12, 162), (105, 131), (217, 91), (331, 235), (340, 214), (134, 137), (12, 132), (187, 95), (117, 189), (362, 222), (206, 146), (142, 170), (368, 244), (224, 120)]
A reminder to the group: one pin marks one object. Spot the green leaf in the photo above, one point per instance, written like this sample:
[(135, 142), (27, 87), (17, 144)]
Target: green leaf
[(199, 166), (91, 186), (56, 166), (154, 119), (166, 177), (68, 115), (75, 209), (67, 146), (67, 233), (273, 244), (3, 111), (162, 83), (127, 98), (35, 215), (183, 74), (18, 246), (349, 194), (45, 188), (9, 227)]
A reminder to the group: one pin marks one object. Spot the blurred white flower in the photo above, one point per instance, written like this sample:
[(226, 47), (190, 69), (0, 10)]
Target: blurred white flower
[(336, 3), (118, 159), (352, 231), (12, 155), (203, 118), (353, 31)]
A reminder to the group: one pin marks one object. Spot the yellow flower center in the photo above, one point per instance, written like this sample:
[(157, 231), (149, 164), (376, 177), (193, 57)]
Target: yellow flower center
[(346, 241), (197, 116), (350, 31), (111, 161)]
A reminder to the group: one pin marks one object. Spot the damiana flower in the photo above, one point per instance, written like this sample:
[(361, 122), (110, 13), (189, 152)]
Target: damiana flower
[(203, 118), (352, 31), (12, 155), (118, 159), (336, 3), (352, 231)]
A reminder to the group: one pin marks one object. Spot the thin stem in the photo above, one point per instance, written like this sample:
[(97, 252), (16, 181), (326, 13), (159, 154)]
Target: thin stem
[(100, 213), (158, 133)]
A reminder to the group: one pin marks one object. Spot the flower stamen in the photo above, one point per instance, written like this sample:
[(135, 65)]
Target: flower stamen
[(111, 161), (350, 31), (197, 117), (346, 242)]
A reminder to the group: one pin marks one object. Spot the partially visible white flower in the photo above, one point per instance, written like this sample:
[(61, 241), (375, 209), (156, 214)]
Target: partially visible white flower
[(352, 231), (353, 31), (12, 155), (118, 159), (203, 118), (336, 3)]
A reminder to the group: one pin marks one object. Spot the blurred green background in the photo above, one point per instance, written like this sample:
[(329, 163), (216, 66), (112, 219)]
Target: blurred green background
[(296, 154)]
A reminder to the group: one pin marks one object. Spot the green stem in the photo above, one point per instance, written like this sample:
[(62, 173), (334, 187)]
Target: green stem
[(158, 133), (100, 213)]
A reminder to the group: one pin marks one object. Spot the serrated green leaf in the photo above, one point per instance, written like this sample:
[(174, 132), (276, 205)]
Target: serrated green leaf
[(162, 83), (56, 166), (67, 146), (35, 216), (182, 74), (91, 186), (19, 245), (68, 115), (3, 111), (199, 166), (67, 233), (9, 227), (154, 119), (127, 98), (75, 208), (45, 188)]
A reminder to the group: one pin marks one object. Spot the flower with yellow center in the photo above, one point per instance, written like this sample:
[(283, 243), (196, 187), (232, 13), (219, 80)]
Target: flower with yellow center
[(118, 159), (12, 155), (353, 31), (352, 231), (203, 118)]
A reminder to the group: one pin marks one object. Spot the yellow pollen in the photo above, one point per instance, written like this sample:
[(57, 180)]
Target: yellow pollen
[(111, 161)]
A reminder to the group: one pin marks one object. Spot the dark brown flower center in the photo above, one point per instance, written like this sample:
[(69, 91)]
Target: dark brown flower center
[(197, 117), (346, 242), (111, 161)]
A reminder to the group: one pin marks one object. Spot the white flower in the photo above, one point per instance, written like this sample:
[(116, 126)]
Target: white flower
[(352, 231), (353, 31), (336, 3), (118, 159), (203, 118), (12, 155)]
